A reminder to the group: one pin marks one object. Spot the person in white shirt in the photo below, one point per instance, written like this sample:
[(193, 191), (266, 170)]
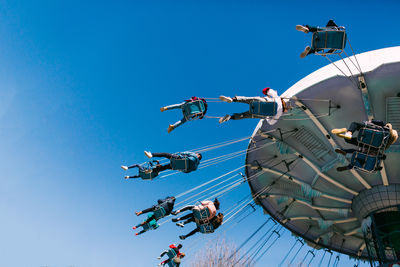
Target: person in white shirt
[(271, 96)]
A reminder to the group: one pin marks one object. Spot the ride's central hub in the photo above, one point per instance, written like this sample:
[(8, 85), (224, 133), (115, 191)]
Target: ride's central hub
[(374, 199), (379, 211)]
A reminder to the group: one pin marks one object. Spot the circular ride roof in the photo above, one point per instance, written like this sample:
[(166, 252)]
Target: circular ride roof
[(291, 166)]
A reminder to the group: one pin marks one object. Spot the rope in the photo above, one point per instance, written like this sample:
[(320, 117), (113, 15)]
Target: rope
[(287, 254), (250, 237), (349, 69), (355, 56), (295, 255), (207, 189), (340, 70), (273, 242), (206, 183)]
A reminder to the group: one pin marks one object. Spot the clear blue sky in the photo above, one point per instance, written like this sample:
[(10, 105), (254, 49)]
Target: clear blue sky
[(81, 87)]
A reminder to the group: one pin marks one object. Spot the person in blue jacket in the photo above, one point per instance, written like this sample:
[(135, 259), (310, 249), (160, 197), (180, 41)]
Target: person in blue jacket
[(148, 224), (193, 159), (167, 204)]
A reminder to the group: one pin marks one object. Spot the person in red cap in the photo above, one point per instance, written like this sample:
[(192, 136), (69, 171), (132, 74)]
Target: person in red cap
[(270, 96)]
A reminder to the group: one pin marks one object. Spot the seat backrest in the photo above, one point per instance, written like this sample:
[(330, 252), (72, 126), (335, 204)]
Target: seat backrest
[(263, 108), (192, 110), (181, 164), (159, 212), (148, 176), (171, 253), (201, 214), (329, 39), (365, 162), (206, 228), (377, 138)]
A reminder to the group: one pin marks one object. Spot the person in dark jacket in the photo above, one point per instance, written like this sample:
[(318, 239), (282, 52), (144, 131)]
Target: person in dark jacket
[(167, 204), (193, 159), (215, 222)]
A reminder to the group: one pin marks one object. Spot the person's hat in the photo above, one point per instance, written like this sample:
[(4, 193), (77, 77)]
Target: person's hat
[(265, 90)]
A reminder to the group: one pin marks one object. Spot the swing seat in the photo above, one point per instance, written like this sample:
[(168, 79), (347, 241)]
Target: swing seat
[(171, 253), (206, 228), (268, 109), (330, 41), (150, 225), (201, 215), (373, 137), (159, 213), (149, 166), (183, 164), (364, 162), (193, 110), (171, 264)]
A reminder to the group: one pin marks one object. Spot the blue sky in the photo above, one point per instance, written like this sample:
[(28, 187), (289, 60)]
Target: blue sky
[(81, 87)]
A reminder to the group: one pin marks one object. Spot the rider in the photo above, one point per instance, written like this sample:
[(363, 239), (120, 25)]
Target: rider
[(212, 206), (193, 157), (142, 170), (347, 134), (179, 106), (331, 26), (175, 259), (215, 222), (270, 96), (167, 204)]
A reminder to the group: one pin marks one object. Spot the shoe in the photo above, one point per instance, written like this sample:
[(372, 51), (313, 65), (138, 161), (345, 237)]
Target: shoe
[(158, 258), (163, 109), (175, 219), (137, 213), (340, 169), (339, 131), (379, 168), (127, 177), (124, 167), (137, 234), (182, 237), (347, 135), (170, 128), (302, 28), (159, 263), (225, 99), (175, 212), (148, 154), (305, 52), (225, 118), (339, 151), (180, 225), (134, 227)]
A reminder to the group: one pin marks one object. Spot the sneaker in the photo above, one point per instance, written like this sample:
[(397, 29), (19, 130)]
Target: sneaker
[(124, 167), (148, 154), (180, 225), (170, 128), (340, 169), (175, 219), (163, 109), (225, 118), (182, 237), (159, 263), (305, 52), (175, 212), (339, 151), (137, 234), (158, 258), (134, 227), (339, 131), (347, 135), (127, 177), (302, 28), (225, 99)]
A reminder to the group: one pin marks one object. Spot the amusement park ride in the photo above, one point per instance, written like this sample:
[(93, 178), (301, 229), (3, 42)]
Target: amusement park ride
[(356, 212)]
